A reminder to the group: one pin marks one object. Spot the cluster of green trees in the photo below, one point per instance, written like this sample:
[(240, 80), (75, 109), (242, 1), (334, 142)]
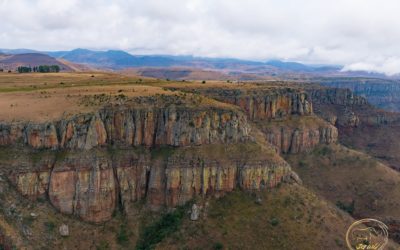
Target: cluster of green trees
[(23, 69), (40, 69)]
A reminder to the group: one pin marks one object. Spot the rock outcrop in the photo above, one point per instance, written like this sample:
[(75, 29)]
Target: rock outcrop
[(382, 93), (276, 110), (68, 163), (299, 134), (85, 186), (92, 184), (129, 125), (342, 108), (195, 213), (262, 103), (161, 153), (336, 96), (337, 105)]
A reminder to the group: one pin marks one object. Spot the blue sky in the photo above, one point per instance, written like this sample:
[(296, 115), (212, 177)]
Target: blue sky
[(360, 34)]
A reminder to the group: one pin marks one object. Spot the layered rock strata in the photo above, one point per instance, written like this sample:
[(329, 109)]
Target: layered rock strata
[(298, 134), (128, 125), (342, 108), (262, 103), (382, 93), (161, 153), (280, 112), (93, 184)]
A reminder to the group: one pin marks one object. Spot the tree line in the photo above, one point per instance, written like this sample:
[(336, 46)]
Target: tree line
[(40, 69)]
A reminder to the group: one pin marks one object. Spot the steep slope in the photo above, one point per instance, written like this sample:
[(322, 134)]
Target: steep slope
[(354, 181), (290, 217), (361, 125)]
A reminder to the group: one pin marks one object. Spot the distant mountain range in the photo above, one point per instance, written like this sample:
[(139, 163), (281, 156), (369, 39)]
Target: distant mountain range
[(167, 65), (117, 59)]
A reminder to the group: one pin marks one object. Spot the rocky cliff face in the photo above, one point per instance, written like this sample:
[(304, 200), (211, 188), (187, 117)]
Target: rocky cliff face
[(93, 184), (92, 164), (337, 105), (162, 153), (286, 117), (343, 108), (281, 113), (128, 125), (336, 96), (384, 94), (271, 104), (298, 134), (261, 103)]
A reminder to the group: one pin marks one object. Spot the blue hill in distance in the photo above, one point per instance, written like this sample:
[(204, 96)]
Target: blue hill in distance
[(118, 59)]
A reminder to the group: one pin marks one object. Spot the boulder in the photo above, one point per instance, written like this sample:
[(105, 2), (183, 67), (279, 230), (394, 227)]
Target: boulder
[(195, 213), (64, 230)]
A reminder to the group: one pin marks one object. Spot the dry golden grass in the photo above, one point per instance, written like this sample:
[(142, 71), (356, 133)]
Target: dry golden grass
[(52, 104), (47, 97), (13, 82)]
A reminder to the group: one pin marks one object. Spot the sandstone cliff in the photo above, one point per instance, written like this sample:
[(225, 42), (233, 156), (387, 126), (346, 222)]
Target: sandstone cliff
[(93, 184), (278, 111), (132, 125), (163, 151), (341, 107), (262, 102), (164, 154), (262, 105), (284, 114), (382, 93), (298, 134)]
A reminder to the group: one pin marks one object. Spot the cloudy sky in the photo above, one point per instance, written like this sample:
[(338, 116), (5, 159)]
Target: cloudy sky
[(360, 34)]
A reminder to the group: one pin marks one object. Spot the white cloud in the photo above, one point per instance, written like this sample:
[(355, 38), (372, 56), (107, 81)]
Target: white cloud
[(350, 32), (389, 66)]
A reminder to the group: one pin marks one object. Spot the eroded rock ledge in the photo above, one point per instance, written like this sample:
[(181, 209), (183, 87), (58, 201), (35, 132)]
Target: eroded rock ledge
[(93, 184), (133, 124), (284, 114), (299, 134), (343, 108), (163, 151), (262, 102)]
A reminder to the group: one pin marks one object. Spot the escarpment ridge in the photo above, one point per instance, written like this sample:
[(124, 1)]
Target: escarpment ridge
[(164, 149), (284, 114), (93, 164), (93, 184), (133, 124), (260, 102), (383, 93)]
